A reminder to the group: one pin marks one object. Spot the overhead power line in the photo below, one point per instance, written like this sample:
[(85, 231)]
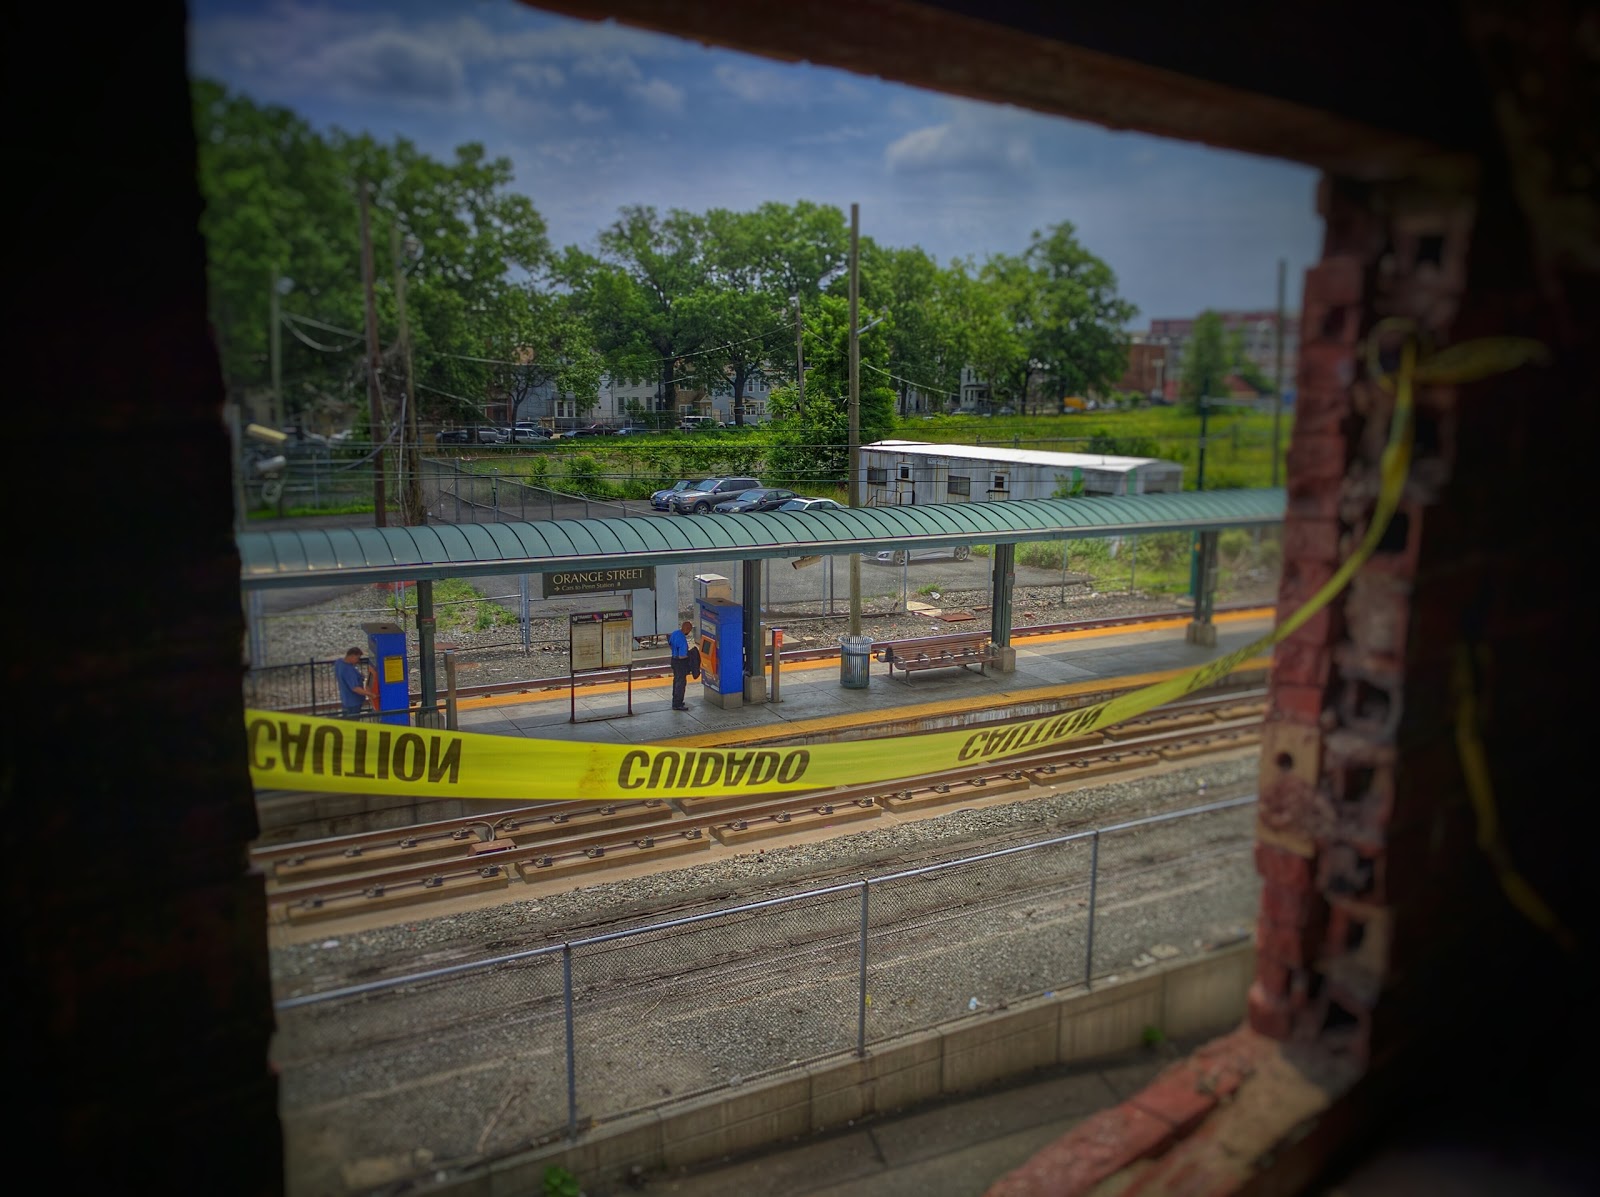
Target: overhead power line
[(326, 327), (318, 345)]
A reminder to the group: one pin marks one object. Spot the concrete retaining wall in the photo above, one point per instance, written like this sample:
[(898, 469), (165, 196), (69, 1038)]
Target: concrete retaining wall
[(1184, 999)]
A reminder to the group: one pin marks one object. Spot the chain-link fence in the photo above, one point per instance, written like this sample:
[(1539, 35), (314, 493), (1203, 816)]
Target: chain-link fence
[(483, 1059)]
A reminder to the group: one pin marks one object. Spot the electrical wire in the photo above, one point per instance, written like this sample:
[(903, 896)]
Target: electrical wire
[(322, 324), (921, 388), (318, 345)]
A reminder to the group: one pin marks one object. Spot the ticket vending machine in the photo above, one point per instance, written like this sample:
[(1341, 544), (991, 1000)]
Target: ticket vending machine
[(386, 645), (721, 631)]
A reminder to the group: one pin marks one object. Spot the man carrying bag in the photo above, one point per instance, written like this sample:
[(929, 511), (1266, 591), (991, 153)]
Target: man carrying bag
[(682, 663)]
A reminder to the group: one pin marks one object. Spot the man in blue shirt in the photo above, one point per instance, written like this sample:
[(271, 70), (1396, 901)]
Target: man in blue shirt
[(678, 642), (354, 688)]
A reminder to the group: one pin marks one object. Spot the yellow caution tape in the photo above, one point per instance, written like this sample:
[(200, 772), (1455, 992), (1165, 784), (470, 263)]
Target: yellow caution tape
[(299, 752), (1480, 792)]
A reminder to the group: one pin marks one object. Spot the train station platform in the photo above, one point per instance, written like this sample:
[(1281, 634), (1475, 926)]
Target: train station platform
[(1053, 670)]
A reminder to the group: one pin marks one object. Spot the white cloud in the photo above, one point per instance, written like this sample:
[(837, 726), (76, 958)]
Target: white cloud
[(658, 93), (959, 147), (511, 107), (839, 136), (588, 114), (390, 64), (623, 74), (327, 51), (539, 74), (621, 71), (759, 85)]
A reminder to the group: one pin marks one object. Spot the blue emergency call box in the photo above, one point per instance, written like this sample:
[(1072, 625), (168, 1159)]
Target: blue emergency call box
[(722, 651), (386, 645)]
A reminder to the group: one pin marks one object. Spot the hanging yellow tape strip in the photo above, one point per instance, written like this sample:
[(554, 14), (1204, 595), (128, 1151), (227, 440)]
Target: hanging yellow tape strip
[(298, 752)]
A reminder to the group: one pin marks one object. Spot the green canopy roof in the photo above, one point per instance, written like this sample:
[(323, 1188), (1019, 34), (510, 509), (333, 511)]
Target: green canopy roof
[(360, 555)]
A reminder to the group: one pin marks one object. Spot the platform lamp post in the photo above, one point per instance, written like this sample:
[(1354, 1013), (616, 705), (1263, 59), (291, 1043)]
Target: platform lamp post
[(854, 447), (855, 407)]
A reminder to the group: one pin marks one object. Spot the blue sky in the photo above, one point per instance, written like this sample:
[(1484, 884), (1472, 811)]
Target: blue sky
[(594, 116)]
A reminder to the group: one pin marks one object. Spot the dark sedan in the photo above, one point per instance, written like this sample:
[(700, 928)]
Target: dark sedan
[(760, 498)]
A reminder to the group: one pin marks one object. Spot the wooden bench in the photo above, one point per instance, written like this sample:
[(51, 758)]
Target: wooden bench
[(965, 649)]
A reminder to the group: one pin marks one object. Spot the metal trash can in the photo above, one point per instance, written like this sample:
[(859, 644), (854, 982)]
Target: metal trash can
[(855, 654)]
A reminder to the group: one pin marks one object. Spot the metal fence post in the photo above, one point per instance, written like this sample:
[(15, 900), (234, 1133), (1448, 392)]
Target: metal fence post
[(527, 616), (258, 629), (572, 1050), (861, 1015), (450, 710), (1094, 875)]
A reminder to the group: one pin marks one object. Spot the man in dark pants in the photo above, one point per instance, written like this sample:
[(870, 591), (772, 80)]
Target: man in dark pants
[(355, 684), (678, 642)]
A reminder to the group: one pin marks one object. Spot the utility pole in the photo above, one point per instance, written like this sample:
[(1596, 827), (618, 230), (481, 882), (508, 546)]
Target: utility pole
[(275, 348), (799, 361), (1203, 559), (1277, 399), (411, 506), (855, 406), (380, 517)]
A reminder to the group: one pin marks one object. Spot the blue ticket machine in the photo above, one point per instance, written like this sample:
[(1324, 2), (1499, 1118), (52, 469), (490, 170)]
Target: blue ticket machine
[(722, 651), (386, 644)]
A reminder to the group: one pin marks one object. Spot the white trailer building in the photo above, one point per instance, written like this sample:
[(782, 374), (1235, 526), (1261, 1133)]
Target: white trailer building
[(902, 472)]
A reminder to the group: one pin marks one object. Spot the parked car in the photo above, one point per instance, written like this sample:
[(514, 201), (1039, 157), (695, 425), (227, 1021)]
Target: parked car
[(590, 430), (708, 492), (529, 432), (491, 436), (661, 500), (634, 431), (453, 436), (805, 503), (961, 552), (759, 498)]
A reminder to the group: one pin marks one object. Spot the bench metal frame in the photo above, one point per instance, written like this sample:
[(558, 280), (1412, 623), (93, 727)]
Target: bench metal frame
[(936, 652)]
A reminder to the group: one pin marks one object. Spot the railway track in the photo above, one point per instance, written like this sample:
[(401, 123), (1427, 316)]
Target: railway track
[(469, 1061), (369, 875)]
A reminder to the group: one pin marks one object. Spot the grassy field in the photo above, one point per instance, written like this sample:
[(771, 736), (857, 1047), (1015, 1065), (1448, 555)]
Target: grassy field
[(1238, 450), (1238, 441)]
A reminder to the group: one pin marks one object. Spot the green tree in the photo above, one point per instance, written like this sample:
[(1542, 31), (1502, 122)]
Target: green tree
[(633, 295), (759, 265), (1003, 344), (280, 212), (283, 202), (1077, 335), (737, 312), (1244, 367), (1205, 361), (811, 445), (929, 342)]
